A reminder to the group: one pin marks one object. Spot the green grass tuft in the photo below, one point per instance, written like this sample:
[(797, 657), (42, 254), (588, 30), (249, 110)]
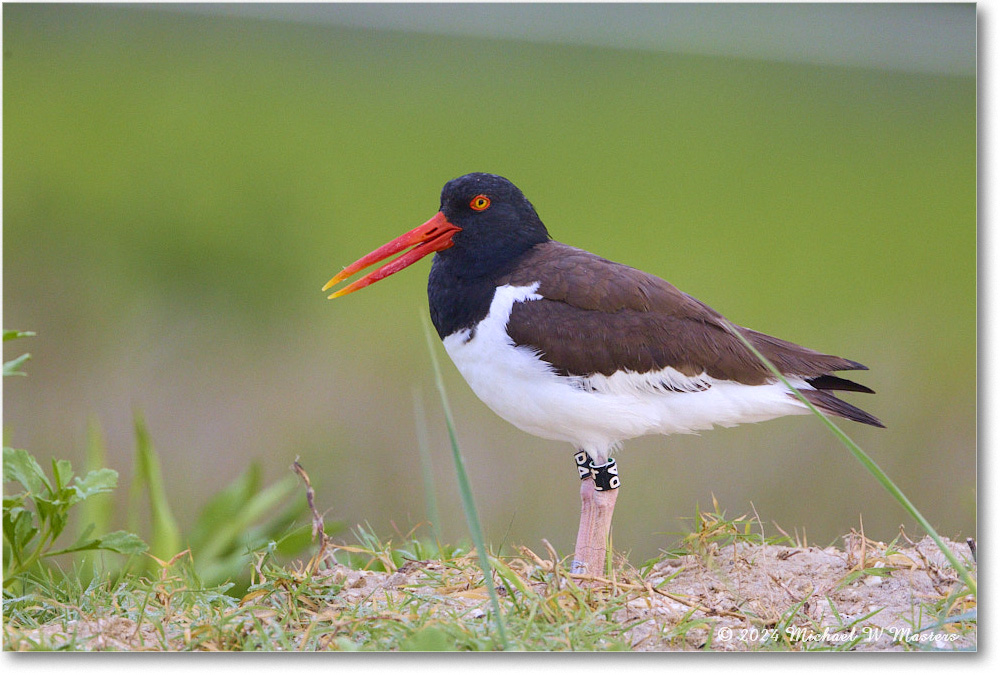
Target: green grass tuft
[(465, 489)]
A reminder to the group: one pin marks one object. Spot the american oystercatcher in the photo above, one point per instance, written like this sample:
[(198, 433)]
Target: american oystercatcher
[(569, 346)]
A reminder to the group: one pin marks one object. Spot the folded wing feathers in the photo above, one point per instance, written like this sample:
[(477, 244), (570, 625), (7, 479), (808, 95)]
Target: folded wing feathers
[(597, 317)]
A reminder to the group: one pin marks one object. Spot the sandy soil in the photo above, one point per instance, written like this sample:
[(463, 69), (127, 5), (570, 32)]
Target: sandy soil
[(863, 597), (741, 597), (815, 597)]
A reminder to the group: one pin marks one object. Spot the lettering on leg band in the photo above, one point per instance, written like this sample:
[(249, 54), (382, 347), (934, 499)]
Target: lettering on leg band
[(583, 462), (605, 476)]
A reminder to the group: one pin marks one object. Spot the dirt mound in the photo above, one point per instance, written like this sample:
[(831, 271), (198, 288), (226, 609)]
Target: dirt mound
[(867, 597), (724, 596)]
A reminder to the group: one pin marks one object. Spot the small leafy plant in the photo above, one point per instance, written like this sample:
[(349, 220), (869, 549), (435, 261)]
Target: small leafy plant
[(34, 518), (13, 367)]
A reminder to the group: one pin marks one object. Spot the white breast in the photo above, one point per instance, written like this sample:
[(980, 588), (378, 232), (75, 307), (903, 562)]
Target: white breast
[(598, 412)]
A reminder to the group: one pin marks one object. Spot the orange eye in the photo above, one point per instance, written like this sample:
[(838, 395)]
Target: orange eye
[(480, 203)]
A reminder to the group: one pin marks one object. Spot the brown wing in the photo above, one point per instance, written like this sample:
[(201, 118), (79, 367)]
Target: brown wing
[(597, 316)]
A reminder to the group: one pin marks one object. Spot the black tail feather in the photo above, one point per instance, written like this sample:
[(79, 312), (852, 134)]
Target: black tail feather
[(832, 405), (834, 383)]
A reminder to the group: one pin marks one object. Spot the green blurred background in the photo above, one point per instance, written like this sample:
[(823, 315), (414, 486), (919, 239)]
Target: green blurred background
[(179, 184)]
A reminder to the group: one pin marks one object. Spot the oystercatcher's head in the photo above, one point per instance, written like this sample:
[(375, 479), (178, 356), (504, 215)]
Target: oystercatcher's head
[(484, 220)]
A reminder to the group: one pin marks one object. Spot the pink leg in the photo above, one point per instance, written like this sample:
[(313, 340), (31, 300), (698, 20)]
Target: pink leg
[(597, 508)]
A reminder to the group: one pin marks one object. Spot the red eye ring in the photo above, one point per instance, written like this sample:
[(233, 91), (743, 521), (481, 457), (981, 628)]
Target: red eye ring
[(479, 203)]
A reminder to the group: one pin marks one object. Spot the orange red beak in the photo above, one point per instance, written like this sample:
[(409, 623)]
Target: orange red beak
[(434, 235)]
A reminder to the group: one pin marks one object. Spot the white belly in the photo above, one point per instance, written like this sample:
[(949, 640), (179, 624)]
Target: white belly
[(598, 412)]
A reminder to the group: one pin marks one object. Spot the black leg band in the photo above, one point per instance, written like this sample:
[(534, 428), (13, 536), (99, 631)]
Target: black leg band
[(583, 462), (606, 475)]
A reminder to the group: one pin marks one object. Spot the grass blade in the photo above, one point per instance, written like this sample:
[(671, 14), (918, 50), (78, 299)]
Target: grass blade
[(165, 540), (866, 462), (465, 489), (98, 509), (95, 513)]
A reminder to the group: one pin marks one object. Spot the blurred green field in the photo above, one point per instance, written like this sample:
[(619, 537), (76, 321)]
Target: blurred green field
[(177, 188)]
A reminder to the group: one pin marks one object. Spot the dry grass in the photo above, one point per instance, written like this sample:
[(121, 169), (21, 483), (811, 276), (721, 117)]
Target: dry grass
[(729, 592)]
